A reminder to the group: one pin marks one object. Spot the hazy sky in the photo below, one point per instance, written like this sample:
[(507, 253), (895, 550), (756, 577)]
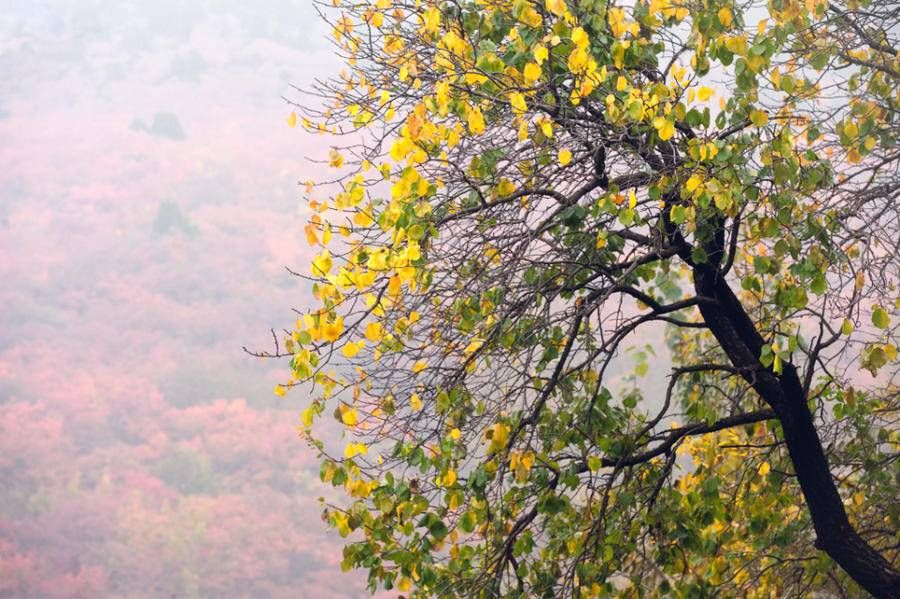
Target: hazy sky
[(148, 205)]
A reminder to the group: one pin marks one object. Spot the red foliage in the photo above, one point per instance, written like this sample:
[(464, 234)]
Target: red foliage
[(142, 454)]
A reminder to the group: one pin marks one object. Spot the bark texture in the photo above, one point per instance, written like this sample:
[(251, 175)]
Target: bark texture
[(735, 331)]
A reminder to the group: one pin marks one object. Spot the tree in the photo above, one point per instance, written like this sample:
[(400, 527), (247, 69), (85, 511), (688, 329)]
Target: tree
[(528, 194)]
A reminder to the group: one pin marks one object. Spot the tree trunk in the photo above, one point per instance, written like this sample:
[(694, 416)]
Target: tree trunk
[(739, 338)]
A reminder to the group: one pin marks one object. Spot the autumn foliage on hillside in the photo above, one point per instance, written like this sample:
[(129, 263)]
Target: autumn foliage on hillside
[(141, 454)]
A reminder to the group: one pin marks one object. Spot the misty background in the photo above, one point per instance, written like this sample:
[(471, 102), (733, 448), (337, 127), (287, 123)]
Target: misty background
[(148, 205)]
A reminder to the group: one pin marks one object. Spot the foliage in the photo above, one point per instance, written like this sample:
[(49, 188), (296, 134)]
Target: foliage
[(527, 190), (199, 502)]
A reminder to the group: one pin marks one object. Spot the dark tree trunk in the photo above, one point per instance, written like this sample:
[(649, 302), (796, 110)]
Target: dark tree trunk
[(784, 393)]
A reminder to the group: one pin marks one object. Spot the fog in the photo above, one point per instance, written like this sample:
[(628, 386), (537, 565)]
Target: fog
[(148, 206)]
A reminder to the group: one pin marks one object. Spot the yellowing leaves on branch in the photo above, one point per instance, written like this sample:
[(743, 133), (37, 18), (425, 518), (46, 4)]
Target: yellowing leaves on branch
[(335, 159), (531, 72), (509, 180)]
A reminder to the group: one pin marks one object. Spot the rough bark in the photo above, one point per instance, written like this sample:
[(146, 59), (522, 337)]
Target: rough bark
[(736, 333)]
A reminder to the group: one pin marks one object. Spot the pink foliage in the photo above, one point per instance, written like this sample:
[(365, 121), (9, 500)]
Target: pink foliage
[(142, 453)]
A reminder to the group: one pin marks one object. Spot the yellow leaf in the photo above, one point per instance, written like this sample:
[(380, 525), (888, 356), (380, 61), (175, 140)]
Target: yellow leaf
[(517, 101), (580, 37), (704, 93), (350, 417), (350, 349), (307, 417), (359, 488), (292, 120), (332, 330), (616, 18), (280, 390), (557, 7), (540, 53), (311, 236), (547, 128), (473, 78), (693, 183), (374, 331), (355, 449), (523, 131), (322, 263), (419, 366), (335, 159), (400, 148), (667, 131), (475, 121), (577, 61), (413, 251), (759, 118), (473, 346), (432, 19), (764, 468), (531, 72), (449, 479), (665, 127), (415, 402), (621, 84), (362, 218), (455, 434), (505, 188), (527, 460), (725, 17), (565, 156), (394, 286), (499, 436)]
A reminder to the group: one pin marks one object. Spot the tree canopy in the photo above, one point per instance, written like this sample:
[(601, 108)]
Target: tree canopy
[(606, 296)]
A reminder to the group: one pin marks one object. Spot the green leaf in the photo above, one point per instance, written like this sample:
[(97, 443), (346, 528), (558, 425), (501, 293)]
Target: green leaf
[(553, 504), (759, 118), (847, 327), (635, 110), (818, 284), (765, 356), (873, 359), (699, 255), (467, 522), (438, 529), (880, 318)]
